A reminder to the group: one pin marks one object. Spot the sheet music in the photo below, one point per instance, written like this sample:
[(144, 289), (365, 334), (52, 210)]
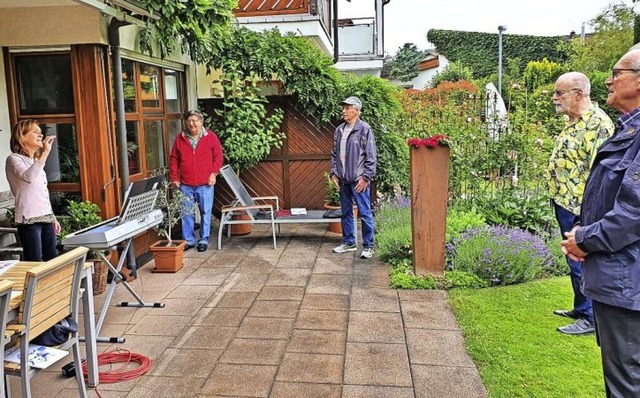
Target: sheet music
[(5, 265), (298, 211)]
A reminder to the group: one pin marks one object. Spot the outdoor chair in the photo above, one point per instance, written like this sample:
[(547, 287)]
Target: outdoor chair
[(51, 293), (260, 209)]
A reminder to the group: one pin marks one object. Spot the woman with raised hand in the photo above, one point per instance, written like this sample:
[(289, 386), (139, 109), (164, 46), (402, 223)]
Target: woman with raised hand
[(34, 218)]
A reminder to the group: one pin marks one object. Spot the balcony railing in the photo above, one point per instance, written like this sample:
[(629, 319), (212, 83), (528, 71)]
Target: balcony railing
[(357, 36)]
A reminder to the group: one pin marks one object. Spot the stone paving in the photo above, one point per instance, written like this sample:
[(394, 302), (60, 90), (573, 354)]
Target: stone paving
[(298, 321)]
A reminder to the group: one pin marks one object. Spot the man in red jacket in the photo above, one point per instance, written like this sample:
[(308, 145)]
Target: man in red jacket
[(195, 161)]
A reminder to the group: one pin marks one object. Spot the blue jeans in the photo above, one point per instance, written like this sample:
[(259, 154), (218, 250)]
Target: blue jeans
[(348, 195), (38, 241), (581, 304), (202, 195)]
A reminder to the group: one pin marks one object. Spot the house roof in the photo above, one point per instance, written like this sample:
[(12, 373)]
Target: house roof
[(429, 62)]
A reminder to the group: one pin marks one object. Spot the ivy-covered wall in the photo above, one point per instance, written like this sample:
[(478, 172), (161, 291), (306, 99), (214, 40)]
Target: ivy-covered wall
[(480, 50)]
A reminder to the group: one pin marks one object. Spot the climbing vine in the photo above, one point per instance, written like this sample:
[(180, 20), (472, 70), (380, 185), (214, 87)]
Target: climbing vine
[(480, 50)]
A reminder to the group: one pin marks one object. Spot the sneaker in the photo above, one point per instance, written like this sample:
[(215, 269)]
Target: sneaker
[(567, 313), (344, 248), (367, 252), (580, 326)]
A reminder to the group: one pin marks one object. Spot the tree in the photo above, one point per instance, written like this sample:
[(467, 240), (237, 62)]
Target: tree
[(196, 27), (404, 65), (612, 38)]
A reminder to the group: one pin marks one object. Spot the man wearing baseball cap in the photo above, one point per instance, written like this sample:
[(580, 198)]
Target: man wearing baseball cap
[(353, 166)]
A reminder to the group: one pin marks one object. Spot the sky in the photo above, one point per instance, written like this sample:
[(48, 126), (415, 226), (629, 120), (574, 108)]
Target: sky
[(410, 20)]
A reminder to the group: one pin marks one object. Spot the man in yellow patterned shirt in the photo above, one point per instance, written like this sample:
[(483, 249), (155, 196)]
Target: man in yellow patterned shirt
[(573, 153)]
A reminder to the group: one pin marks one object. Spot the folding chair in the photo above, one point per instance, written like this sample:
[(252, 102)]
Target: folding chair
[(51, 293)]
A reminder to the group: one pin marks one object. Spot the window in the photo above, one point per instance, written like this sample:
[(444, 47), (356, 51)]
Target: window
[(43, 87), (154, 103), (44, 84)]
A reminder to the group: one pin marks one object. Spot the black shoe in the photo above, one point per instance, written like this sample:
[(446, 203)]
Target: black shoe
[(189, 247), (569, 314), (202, 247)]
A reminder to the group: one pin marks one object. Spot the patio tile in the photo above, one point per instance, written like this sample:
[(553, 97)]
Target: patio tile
[(437, 347), (289, 260), (317, 341), (180, 307), (159, 325), (289, 277), (306, 390), (205, 337), (428, 315), (254, 265), (311, 368), (169, 387), (274, 309), (150, 346), (245, 282), (46, 384), (217, 316), (281, 293), (377, 364), (422, 295), (197, 363), (338, 302), (322, 320), (192, 292), (333, 266), (234, 299), (254, 351), (366, 275), (349, 391), (207, 277), (265, 328), (447, 382), (329, 284), (240, 380), (383, 300), (375, 327)]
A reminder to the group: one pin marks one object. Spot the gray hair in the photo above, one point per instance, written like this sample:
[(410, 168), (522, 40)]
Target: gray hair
[(578, 80)]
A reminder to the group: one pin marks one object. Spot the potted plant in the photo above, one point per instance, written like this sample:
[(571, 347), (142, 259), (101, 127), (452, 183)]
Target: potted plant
[(81, 215), (333, 204), (168, 253)]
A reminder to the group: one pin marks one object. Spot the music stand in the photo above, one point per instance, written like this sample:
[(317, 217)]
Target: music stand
[(139, 201)]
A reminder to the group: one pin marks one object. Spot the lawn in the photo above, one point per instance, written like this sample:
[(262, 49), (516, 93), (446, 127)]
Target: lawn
[(510, 332)]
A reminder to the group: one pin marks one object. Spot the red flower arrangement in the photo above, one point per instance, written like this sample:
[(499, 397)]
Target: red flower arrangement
[(430, 142)]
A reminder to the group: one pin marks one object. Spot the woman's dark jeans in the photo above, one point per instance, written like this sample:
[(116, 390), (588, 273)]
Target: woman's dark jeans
[(38, 241)]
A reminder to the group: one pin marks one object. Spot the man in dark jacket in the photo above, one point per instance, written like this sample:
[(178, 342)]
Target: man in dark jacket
[(607, 237), (353, 166), (195, 161)]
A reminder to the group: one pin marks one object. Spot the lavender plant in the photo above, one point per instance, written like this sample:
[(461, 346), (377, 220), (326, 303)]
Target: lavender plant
[(500, 255)]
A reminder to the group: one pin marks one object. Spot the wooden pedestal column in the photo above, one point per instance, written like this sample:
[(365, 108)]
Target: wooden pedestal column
[(429, 179)]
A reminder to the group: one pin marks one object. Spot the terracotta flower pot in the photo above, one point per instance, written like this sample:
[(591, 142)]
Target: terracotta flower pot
[(336, 227), (168, 259), (240, 229)]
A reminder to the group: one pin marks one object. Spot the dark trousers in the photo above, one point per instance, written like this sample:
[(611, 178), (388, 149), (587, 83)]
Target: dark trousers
[(617, 332), (581, 303), (38, 241)]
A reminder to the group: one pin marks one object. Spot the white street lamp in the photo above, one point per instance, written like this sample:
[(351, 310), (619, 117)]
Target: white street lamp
[(501, 29)]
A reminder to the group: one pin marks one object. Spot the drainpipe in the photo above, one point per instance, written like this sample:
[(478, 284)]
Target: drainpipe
[(336, 52), (121, 126)]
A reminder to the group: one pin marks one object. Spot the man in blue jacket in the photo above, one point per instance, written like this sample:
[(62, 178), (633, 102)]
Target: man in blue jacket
[(607, 237), (353, 166)]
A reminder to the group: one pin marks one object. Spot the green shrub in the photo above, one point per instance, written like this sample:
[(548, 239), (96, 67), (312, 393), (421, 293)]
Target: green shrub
[(402, 277), (499, 255), (539, 73), (528, 211), (79, 215), (453, 72), (464, 280), (460, 220)]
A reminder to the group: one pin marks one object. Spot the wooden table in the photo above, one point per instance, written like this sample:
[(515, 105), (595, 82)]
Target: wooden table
[(17, 274)]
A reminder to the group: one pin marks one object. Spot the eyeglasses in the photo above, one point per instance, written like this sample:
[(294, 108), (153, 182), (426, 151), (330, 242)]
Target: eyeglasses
[(560, 93), (616, 72)]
